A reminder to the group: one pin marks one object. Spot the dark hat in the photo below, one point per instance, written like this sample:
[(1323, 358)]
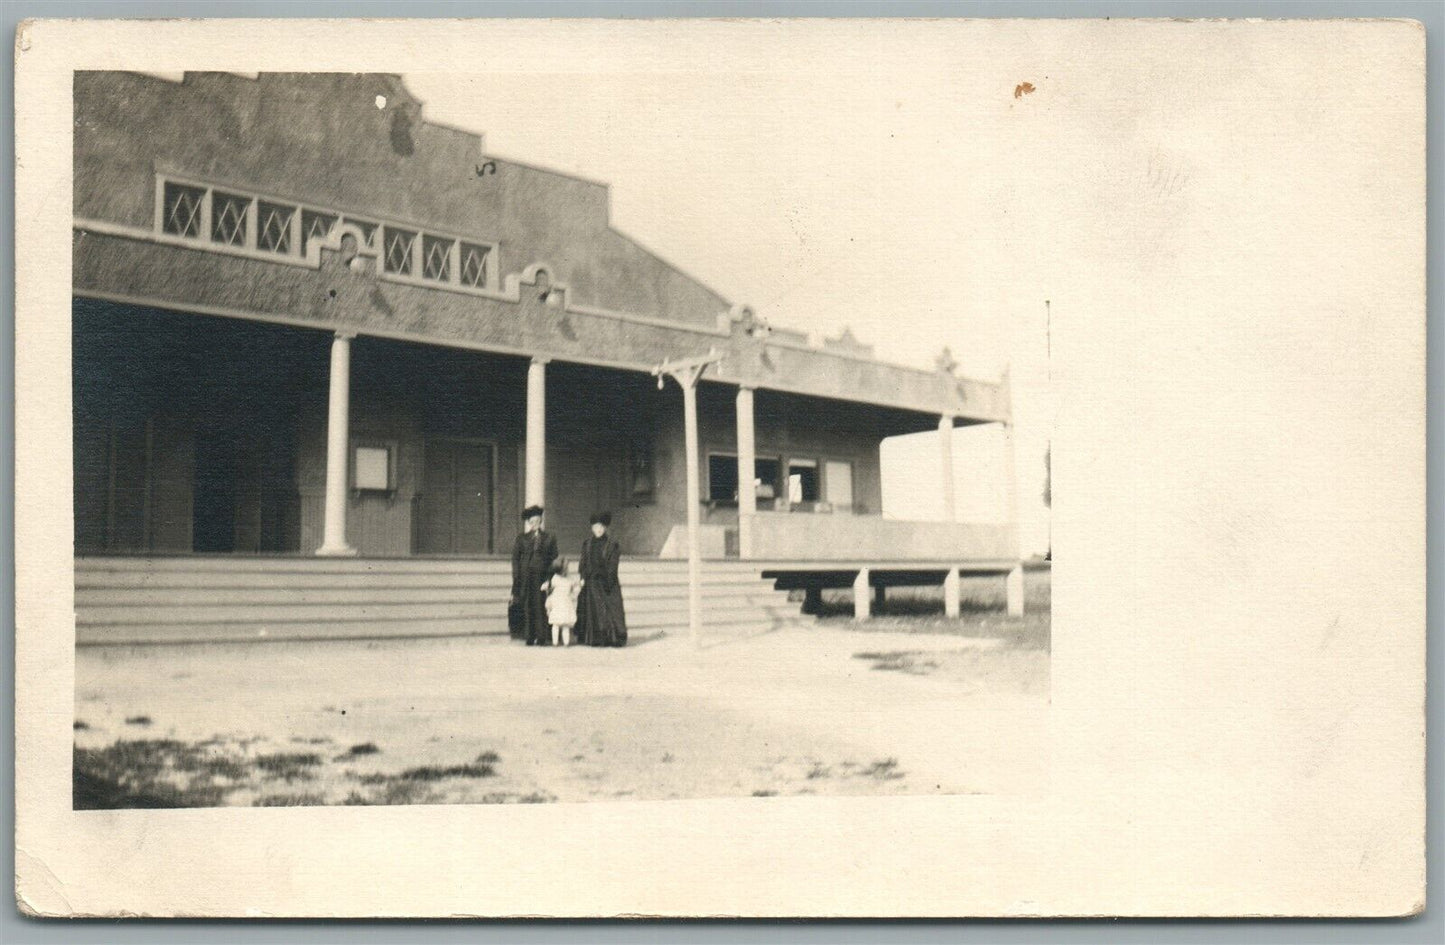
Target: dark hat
[(601, 518), (531, 511)]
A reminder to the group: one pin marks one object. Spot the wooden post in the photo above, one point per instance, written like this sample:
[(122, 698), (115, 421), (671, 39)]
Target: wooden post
[(951, 585), (338, 416), (747, 472), (686, 372), (861, 596), (694, 516), (945, 441)]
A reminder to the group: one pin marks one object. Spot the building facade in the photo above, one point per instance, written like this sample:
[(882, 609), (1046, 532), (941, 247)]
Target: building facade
[(307, 322)]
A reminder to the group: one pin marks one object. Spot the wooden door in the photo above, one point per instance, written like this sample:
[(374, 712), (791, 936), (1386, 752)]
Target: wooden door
[(454, 511)]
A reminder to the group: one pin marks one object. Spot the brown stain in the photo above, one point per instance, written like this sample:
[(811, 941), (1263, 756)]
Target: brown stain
[(1022, 89)]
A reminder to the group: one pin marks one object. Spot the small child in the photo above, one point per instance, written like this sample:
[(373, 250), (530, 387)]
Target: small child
[(561, 591)]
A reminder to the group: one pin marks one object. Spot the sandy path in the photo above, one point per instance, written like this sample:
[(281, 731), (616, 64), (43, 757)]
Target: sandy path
[(788, 712)]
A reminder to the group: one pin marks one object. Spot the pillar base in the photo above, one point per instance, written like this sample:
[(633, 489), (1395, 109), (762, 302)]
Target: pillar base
[(951, 588), (1014, 590), (336, 551), (861, 596)]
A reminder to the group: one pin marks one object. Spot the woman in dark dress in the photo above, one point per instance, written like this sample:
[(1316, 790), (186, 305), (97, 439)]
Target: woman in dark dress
[(600, 617)]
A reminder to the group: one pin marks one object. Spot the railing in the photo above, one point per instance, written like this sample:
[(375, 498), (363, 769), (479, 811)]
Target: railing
[(785, 536)]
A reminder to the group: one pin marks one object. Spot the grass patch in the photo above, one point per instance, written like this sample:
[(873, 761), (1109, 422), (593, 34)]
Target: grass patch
[(885, 770), (434, 773), (906, 661), (289, 800), (765, 794), (358, 751), (288, 766), (138, 720), (488, 758), (145, 773), (80, 726)]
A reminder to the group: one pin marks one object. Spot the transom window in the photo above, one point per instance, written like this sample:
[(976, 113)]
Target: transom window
[(181, 213), (315, 225), (437, 258), (398, 250), (254, 224), (228, 218), (274, 234), (474, 265)]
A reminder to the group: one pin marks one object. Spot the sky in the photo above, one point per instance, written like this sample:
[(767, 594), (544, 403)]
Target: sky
[(859, 195)]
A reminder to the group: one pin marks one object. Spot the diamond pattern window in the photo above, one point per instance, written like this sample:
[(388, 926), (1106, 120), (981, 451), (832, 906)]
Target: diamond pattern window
[(367, 228), (474, 265), (228, 218), (314, 226), (274, 234), (398, 250), (437, 258), (181, 212)]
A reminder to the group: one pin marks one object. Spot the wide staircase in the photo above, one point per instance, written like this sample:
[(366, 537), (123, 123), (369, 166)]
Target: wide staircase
[(198, 599)]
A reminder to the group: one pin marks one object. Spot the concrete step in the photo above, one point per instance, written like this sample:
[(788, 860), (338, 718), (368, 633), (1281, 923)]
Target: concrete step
[(248, 631)]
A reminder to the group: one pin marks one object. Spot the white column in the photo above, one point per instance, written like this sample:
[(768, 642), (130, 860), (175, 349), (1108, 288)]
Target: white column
[(862, 596), (1012, 485), (338, 416), (535, 491), (1014, 590), (945, 446), (747, 472), (694, 523), (951, 584)]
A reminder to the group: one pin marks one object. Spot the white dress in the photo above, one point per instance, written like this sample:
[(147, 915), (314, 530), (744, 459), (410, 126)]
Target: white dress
[(562, 600)]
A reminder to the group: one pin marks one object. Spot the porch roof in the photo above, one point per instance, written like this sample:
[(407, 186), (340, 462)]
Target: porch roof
[(140, 267)]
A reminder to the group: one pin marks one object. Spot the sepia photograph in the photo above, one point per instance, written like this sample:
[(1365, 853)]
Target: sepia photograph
[(404, 475), (872, 468)]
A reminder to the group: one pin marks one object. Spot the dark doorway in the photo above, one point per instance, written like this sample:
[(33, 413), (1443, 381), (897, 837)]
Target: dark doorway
[(454, 509), (213, 522)]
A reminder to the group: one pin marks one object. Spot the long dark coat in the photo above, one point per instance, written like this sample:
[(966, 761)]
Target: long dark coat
[(600, 617), (532, 558)]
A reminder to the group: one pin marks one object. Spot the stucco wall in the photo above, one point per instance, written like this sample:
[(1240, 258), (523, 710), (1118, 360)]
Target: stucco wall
[(319, 138)]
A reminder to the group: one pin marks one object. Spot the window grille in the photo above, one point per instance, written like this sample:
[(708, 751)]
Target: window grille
[(437, 258), (182, 210), (367, 229), (274, 234), (228, 218), (474, 265), (315, 226), (398, 250)]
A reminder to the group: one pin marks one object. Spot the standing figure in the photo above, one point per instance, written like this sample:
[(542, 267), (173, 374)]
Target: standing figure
[(532, 557), (600, 618), (561, 603)]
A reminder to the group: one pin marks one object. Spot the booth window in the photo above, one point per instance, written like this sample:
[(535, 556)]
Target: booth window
[(722, 478), (803, 481)]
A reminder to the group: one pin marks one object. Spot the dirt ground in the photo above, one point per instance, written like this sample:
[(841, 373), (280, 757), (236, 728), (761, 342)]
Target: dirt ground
[(830, 707)]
